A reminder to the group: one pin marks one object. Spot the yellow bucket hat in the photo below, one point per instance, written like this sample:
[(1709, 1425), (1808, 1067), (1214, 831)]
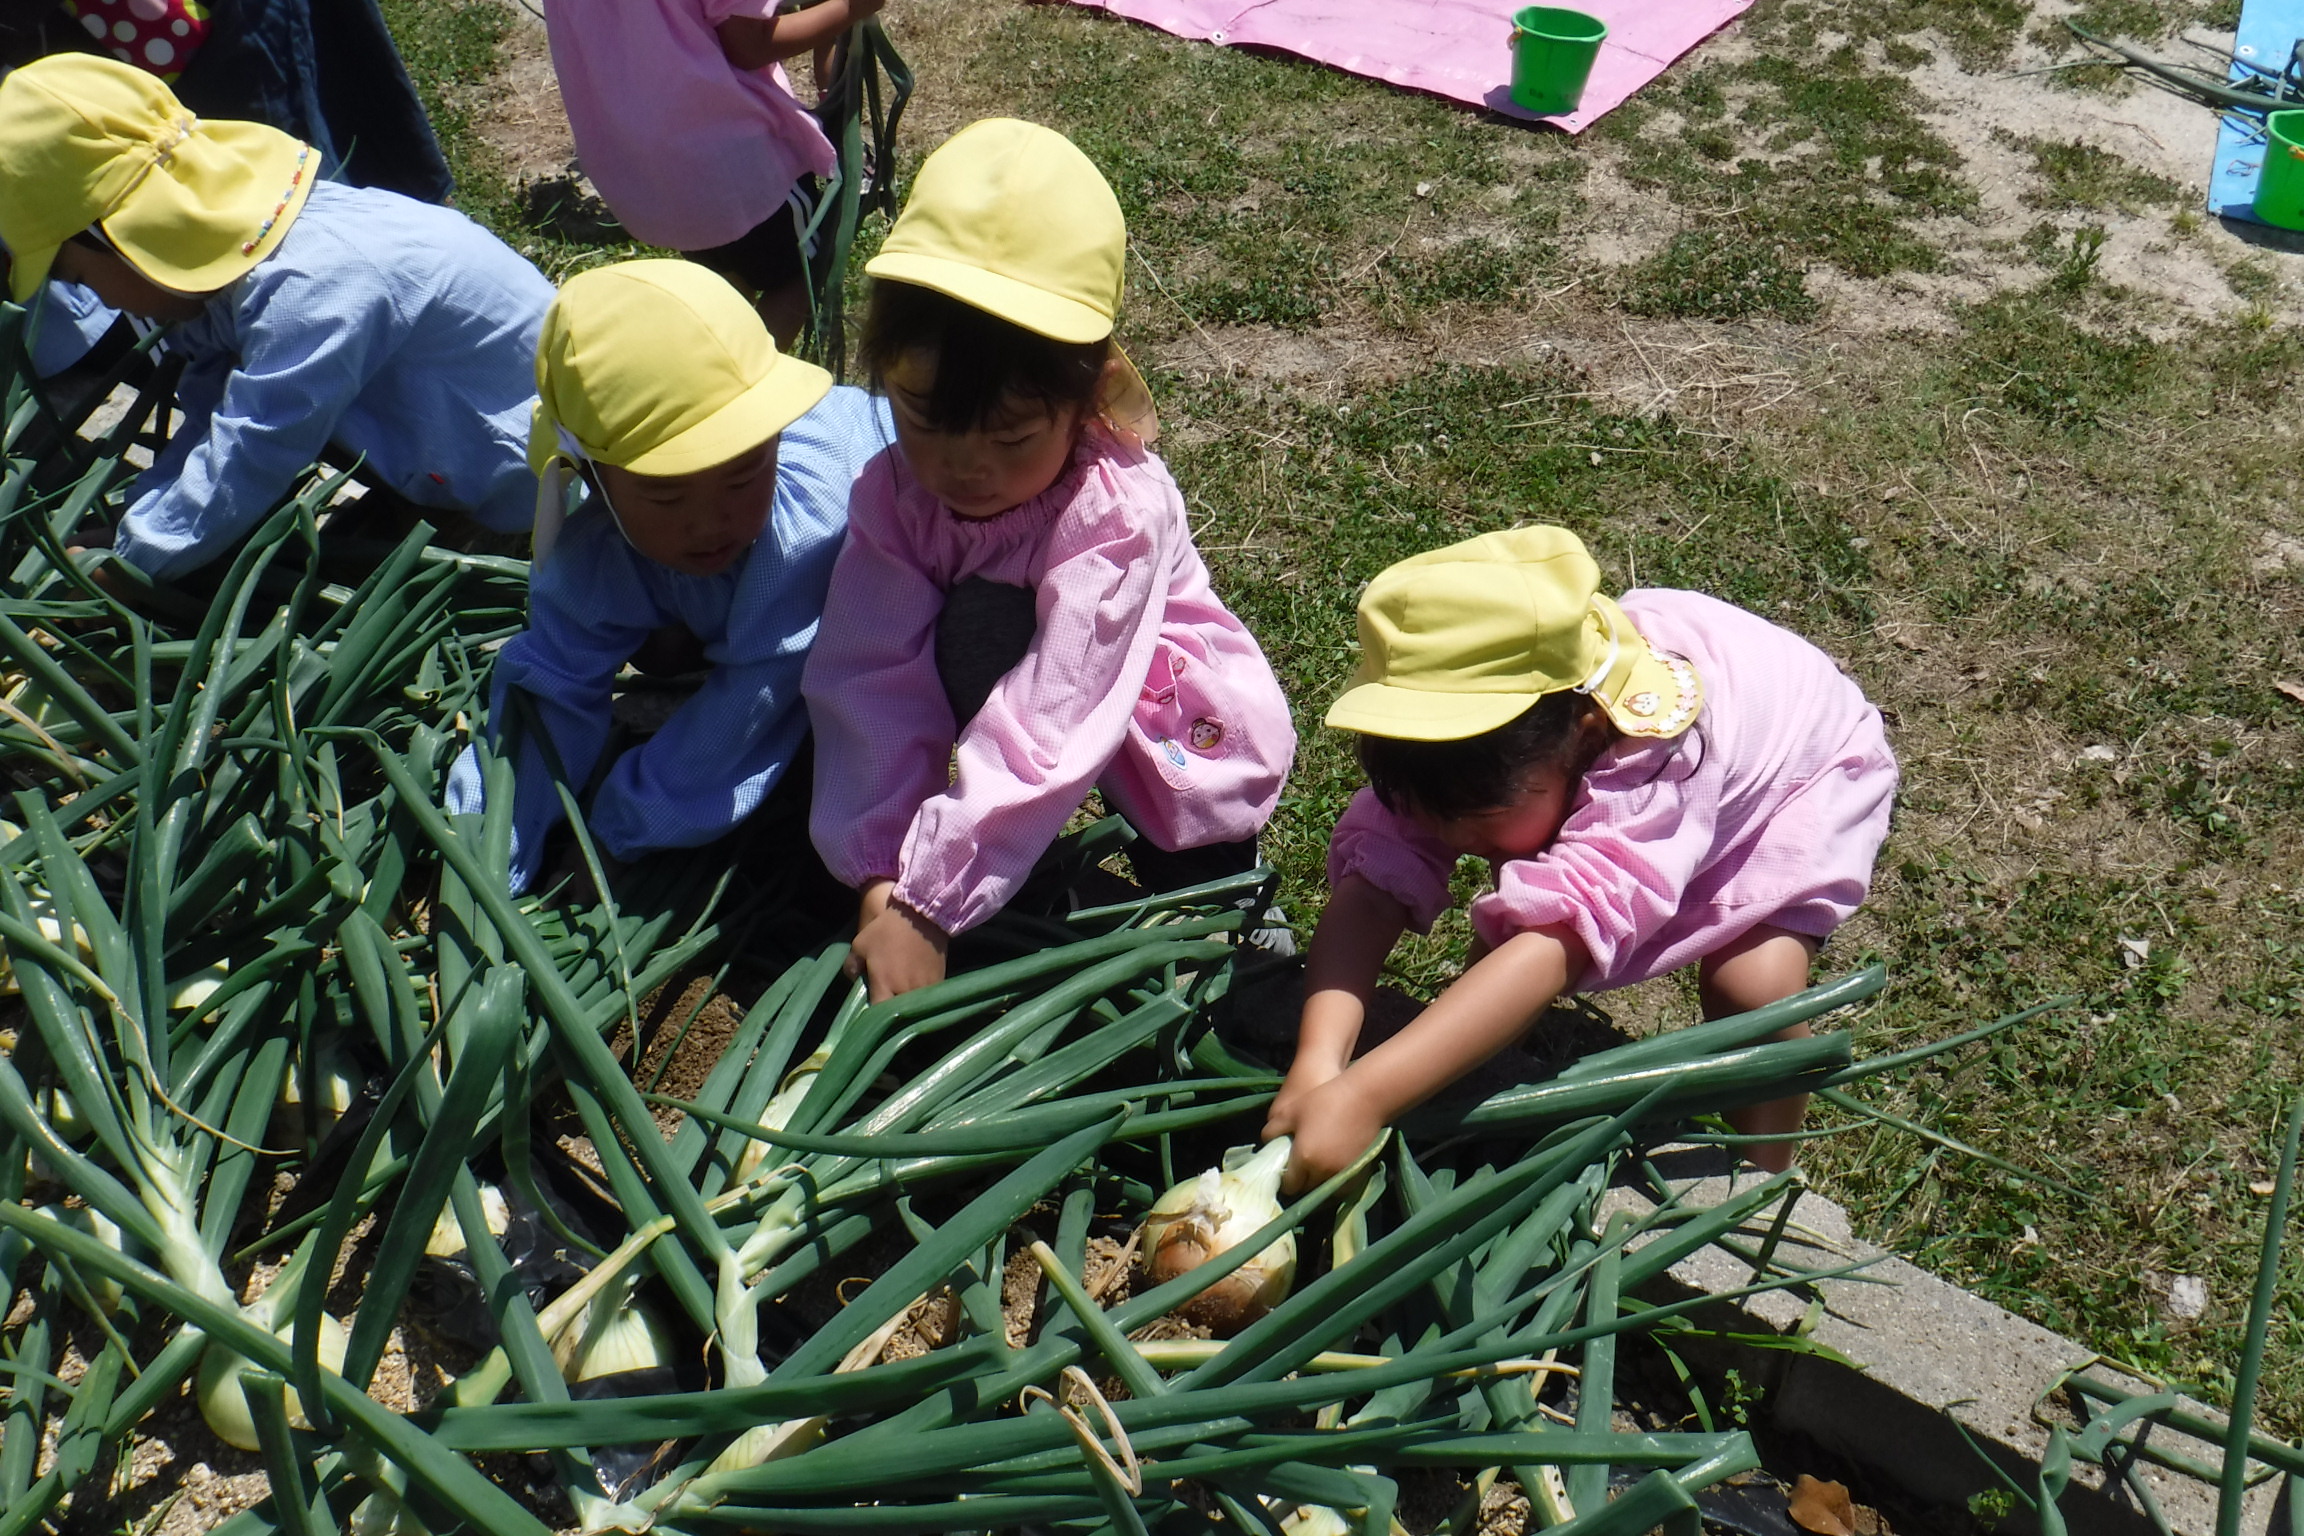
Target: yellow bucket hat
[(661, 368), (192, 205), (1011, 218), (1458, 641)]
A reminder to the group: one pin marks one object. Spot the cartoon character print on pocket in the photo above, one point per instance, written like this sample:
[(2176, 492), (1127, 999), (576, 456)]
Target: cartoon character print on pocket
[(1178, 719)]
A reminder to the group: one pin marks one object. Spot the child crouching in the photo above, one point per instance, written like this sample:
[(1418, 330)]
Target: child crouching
[(1019, 591), (307, 313), (1664, 781), (717, 474)]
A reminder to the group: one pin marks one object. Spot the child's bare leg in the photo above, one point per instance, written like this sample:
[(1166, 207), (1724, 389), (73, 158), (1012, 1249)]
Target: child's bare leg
[(1765, 966)]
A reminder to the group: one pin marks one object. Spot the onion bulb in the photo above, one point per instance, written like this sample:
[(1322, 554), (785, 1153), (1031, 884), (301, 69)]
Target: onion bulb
[(613, 1334), (335, 1078), (447, 1239), (1205, 1217), (225, 1406)]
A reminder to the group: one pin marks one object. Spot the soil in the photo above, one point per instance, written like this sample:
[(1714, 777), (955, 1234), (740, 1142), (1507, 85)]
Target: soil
[(523, 120)]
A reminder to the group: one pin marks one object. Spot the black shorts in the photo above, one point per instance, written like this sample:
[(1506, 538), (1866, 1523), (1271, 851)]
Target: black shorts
[(769, 256)]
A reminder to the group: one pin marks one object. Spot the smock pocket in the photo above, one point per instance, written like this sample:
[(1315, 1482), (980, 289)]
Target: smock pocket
[(1181, 715)]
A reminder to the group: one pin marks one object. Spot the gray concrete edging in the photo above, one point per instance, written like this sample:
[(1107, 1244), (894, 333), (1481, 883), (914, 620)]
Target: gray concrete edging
[(1934, 1360)]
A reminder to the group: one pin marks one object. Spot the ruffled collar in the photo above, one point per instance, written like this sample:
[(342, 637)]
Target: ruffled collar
[(1095, 446)]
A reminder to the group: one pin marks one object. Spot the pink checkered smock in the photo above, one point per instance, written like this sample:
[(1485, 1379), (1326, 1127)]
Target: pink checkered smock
[(1769, 809), (1138, 681)]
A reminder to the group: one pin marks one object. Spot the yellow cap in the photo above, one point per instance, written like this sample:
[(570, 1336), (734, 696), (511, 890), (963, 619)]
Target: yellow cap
[(192, 205), (1011, 218), (1458, 641), (660, 367)]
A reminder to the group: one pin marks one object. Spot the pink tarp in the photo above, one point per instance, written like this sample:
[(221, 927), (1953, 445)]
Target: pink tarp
[(1454, 48)]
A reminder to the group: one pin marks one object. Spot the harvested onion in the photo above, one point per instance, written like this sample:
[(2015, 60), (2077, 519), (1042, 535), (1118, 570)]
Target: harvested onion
[(1205, 1217)]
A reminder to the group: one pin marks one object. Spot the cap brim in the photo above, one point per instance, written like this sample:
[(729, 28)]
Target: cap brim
[(1035, 309), (1421, 714), (789, 391), (188, 257), (27, 271)]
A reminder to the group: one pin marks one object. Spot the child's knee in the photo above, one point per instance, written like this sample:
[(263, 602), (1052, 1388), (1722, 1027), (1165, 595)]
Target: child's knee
[(1765, 965)]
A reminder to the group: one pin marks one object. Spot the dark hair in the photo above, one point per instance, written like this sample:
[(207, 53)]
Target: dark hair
[(982, 361), (1448, 779)]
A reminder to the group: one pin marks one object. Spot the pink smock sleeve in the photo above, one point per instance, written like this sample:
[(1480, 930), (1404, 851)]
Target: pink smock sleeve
[(883, 725), (1053, 721), (1394, 855), (1623, 860)]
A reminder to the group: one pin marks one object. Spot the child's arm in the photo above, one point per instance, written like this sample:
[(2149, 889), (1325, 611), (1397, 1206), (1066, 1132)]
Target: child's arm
[(587, 612), (883, 728), (1487, 1008), (896, 949), (755, 42), (306, 351), (1357, 930), (1053, 721)]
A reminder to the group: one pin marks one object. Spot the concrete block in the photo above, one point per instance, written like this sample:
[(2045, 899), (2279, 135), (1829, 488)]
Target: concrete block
[(1933, 1360)]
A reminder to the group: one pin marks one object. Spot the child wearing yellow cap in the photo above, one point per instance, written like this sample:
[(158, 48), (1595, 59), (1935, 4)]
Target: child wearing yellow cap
[(1655, 781), (715, 474), (1019, 591), (307, 313)]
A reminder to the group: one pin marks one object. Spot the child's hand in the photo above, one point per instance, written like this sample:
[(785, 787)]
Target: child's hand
[(1332, 1125), (1311, 1071), (898, 951)]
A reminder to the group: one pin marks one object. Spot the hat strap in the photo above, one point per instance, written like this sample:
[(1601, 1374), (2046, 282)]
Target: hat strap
[(575, 450), (1615, 651), (551, 511)]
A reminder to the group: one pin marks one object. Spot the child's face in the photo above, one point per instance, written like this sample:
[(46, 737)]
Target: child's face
[(697, 523), (111, 278), (1521, 828), (1004, 463)]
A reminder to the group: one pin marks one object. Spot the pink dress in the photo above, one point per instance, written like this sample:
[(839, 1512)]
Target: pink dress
[(688, 151), (1137, 681), (1769, 809)]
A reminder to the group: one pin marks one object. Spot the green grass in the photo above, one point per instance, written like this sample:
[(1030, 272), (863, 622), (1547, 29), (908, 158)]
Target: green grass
[(2034, 536), (1265, 191), (2079, 175), (450, 48), (1716, 274), (1821, 159)]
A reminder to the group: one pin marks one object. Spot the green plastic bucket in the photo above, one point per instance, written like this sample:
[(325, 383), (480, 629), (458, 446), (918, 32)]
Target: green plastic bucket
[(1552, 53), (2280, 190)]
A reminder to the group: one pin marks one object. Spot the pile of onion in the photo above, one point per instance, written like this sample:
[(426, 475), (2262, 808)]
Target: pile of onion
[(1205, 1217)]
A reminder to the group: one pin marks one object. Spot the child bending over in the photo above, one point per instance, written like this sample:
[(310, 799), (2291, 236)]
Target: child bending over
[(686, 124), (1653, 783), (1019, 583), (717, 474), (307, 314)]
